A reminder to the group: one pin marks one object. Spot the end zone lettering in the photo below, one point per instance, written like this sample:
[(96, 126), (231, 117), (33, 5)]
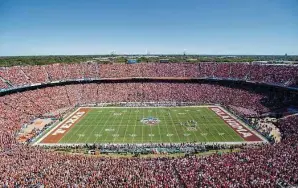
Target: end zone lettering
[(232, 122), (68, 123)]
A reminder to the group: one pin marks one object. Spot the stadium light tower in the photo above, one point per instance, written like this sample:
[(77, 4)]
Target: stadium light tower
[(184, 55), (184, 52), (113, 55)]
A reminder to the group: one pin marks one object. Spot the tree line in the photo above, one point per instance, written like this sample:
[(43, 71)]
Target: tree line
[(42, 60)]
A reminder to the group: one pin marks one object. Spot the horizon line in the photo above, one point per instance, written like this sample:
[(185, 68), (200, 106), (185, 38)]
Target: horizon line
[(155, 54)]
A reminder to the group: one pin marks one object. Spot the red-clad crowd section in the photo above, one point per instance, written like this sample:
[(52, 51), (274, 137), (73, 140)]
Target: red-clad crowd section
[(25, 75), (23, 166)]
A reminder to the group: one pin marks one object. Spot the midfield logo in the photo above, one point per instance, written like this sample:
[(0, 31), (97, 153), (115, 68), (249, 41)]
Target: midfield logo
[(150, 121)]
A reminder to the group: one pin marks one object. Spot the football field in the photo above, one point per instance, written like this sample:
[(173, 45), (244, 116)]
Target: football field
[(145, 125)]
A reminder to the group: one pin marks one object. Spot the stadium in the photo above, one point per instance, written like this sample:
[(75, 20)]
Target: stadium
[(146, 125)]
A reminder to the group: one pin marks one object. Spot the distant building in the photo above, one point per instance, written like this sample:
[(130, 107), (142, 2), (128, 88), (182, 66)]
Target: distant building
[(132, 61), (164, 60), (262, 62), (191, 60), (103, 60)]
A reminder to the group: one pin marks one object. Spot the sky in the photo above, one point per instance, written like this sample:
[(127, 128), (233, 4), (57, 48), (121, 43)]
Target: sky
[(73, 27)]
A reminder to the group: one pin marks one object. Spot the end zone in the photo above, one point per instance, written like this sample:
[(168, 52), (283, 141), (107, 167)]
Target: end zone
[(55, 135), (239, 127)]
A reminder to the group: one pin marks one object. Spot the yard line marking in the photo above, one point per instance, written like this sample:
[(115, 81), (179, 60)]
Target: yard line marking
[(81, 125), (119, 127), (88, 125), (134, 128), (96, 126), (150, 128), (212, 124), (113, 120), (167, 126), (158, 124), (142, 134), (76, 124), (127, 123), (183, 128), (104, 125), (199, 127), (207, 113), (217, 119), (225, 130), (173, 124), (79, 130)]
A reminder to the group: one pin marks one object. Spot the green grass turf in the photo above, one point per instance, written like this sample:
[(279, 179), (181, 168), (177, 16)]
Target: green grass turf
[(123, 125)]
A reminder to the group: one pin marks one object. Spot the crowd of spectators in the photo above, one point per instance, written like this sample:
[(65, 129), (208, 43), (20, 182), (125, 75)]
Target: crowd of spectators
[(156, 148), (24, 166), (25, 75), (19, 108), (22, 107), (266, 127), (266, 166)]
